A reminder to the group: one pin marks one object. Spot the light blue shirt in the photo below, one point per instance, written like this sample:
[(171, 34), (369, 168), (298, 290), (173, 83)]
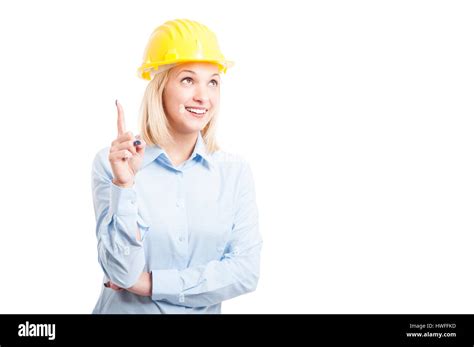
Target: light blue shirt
[(199, 230)]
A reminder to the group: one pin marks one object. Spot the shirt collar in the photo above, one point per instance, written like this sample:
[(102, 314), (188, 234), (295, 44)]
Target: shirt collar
[(152, 152), (201, 150)]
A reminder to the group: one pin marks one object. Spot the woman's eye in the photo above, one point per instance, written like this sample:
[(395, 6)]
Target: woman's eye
[(215, 82), (187, 79)]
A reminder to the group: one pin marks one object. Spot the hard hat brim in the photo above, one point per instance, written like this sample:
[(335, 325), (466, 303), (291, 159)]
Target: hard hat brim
[(145, 71)]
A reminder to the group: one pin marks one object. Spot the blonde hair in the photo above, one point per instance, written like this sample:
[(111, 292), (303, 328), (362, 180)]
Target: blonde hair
[(153, 123)]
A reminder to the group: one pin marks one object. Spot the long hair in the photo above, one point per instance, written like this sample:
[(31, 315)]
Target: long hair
[(153, 123)]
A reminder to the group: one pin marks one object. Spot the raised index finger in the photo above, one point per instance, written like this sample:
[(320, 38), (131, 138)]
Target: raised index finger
[(120, 119)]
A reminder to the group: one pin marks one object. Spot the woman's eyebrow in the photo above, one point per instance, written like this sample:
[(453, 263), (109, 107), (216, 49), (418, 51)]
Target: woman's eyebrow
[(190, 71)]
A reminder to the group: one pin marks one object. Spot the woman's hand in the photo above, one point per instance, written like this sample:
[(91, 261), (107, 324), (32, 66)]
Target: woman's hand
[(142, 287), (126, 153), (113, 286)]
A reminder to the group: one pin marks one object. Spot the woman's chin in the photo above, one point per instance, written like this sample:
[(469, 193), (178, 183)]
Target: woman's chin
[(196, 124), (193, 127)]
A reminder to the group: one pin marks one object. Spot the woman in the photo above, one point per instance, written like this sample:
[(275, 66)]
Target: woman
[(177, 221)]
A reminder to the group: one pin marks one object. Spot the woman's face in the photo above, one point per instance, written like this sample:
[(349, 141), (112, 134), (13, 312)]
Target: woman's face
[(191, 94)]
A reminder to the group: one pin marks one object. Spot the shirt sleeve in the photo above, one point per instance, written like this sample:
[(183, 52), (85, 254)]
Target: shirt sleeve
[(120, 255), (236, 273)]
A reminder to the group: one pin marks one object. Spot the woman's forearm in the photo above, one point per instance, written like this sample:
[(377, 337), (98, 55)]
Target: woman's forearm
[(142, 287)]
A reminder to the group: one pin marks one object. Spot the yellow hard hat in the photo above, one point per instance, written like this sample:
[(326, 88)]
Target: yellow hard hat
[(178, 41)]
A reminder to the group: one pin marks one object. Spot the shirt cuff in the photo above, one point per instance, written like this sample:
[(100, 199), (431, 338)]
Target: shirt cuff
[(123, 201), (166, 284)]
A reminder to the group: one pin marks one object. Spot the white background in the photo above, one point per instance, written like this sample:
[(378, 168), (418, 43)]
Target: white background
[(356, 117)]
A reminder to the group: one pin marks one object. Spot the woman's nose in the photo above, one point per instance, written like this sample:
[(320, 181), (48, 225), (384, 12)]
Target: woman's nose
[(201, 94)]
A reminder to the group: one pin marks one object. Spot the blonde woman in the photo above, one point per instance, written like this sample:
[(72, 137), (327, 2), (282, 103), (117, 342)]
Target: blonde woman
[(177, 220)]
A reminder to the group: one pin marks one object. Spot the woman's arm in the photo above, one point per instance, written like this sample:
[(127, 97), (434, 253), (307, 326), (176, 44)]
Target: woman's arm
[(119, 228), (141, 287)]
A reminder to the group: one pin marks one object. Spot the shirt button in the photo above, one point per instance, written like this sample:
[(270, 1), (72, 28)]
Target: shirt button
[(181, 238), (178, 204), (133, 202), (126, 251)]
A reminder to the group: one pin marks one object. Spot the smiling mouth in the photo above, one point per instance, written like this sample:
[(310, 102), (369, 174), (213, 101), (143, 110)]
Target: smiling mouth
[(197, 112)]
